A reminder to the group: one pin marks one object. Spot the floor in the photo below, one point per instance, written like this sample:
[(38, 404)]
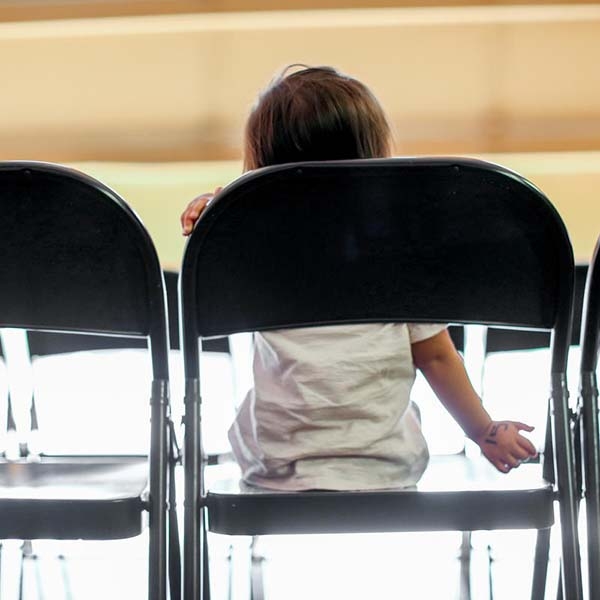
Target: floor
[(383, 566)]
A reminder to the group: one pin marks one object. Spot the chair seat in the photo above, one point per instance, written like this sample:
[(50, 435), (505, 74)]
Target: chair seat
[(73, 497), (521, 499)]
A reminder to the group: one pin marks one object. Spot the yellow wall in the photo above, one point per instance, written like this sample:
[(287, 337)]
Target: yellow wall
[(178, 87), (149, 104), (159, 192)]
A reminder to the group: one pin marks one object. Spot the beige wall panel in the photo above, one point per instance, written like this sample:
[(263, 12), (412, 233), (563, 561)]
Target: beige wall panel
[(106, 81), (578, 205), (23, 10), (169, 88), (159, 192), (550, 68)]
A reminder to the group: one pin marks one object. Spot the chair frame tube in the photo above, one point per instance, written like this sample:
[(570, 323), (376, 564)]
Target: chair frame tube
[(560, 418)]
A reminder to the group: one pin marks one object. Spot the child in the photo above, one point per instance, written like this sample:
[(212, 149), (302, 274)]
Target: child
[(330, 408)]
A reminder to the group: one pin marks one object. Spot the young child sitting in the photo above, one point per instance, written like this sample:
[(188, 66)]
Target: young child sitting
[(331, 408)]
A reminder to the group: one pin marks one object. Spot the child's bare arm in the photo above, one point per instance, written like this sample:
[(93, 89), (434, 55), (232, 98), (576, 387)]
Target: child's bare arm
[(194, 209), (442, 366)]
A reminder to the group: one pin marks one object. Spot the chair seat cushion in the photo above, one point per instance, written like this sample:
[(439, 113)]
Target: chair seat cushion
[(73, 497), (521, 499)]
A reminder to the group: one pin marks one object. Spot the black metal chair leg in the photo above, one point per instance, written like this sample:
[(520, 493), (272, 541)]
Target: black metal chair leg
[(490, 570), (559, 592), (540, 565), (25, 550), (257, 588), (230, 572), (65, 577), (39, 582), (591, 461), (465, 566), (205, 561), (565, 469)]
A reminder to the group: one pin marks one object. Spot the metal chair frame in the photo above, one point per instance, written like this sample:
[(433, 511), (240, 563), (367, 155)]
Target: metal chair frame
[(430, 239), (74, 258), (587, 410)]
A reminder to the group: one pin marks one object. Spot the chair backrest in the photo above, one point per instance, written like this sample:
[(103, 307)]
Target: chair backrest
[(44, 343), (590, 327), (506, 340), (441, 240), (74, 257)]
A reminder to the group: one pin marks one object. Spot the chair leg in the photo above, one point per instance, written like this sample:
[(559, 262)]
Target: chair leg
[(490, 566), (559, 589), (540, 565), (159, 452), (27, 554), (65, 577), (465, 566), (230, 573), (22, 572), (39, 583), (240, 565), (257, 588), (568, 502), (591, 463), (205, 560)]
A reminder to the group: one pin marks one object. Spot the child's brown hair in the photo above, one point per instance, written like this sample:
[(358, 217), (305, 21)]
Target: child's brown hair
[(316, 113)]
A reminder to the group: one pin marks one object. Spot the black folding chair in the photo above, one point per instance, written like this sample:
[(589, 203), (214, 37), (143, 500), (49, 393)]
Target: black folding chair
[(74, 258), (500, 341), (590, 425), (432, 240)]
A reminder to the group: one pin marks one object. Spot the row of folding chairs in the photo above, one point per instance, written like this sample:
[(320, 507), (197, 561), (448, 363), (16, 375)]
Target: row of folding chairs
[(449, 240)]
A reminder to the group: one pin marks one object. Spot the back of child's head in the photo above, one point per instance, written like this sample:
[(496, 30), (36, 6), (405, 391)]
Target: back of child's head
[(313, 114)]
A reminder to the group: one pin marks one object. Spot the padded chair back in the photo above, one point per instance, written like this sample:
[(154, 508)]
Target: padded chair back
[(452, 240), (44, 343), (590, 423), (75, 258), (506, 340), (590, 329), (386, 240)]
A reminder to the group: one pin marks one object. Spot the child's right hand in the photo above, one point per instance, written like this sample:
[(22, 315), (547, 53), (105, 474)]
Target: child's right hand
[(503, 445), (194, 209)]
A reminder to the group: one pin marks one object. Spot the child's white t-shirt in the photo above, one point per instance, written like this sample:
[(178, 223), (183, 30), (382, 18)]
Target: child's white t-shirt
[(330, 409)]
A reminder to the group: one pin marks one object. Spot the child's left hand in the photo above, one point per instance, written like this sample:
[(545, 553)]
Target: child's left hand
[(503, 445), (194, 209)]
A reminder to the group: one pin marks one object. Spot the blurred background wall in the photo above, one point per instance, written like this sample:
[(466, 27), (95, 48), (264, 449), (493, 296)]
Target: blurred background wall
[(151, 95)]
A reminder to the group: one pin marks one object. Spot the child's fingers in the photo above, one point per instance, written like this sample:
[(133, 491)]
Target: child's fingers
[(521, 453), (192, 213), (502, 467), (522, 426), (512, 461), (194, 209), (188, 220), (526, 445), (186, 217)]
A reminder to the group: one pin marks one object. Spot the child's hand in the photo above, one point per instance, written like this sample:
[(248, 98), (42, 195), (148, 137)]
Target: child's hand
[(194, 209), (503, 445)]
